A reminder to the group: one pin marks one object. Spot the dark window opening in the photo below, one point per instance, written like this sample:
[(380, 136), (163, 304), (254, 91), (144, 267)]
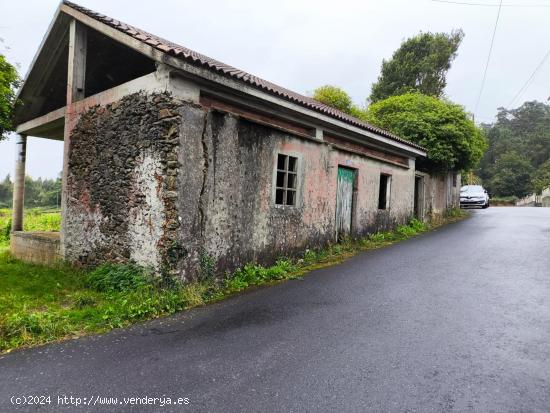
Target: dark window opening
[(286, 180), (383, 192)]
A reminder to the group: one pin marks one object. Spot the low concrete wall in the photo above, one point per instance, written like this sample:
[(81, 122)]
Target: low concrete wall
[(37, 247), (532, 200), (545, 198)]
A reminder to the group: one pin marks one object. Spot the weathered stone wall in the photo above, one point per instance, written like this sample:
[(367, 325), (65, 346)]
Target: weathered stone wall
[(168, 184), (122, 182), (441, 192), (226, 192)]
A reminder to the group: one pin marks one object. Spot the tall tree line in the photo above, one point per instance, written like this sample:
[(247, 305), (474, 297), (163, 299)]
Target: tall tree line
[(38, 192), (517, 161)]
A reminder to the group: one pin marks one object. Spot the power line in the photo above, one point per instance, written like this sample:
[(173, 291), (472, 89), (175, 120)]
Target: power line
[(488, 59), (530, 79), (463, 3)]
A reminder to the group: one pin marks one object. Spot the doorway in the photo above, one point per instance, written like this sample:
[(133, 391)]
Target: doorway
[(344, 201), (419, 197)]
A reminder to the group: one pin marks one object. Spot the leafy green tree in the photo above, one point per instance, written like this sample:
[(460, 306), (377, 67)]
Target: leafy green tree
[(335, 97), (512, 176), (9, 82), (452, 140), (541, 177), (420, 64)]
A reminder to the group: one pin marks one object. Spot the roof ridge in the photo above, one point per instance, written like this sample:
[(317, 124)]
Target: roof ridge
[(182, 52)]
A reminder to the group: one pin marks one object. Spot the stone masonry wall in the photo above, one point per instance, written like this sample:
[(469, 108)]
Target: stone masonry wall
[(122, 182), (168, 183)]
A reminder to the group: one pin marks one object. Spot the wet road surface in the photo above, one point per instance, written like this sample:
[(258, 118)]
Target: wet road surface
[(454, 320)]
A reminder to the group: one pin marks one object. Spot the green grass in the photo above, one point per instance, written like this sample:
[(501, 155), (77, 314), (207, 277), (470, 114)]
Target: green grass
[(40, 304), (34, 219)]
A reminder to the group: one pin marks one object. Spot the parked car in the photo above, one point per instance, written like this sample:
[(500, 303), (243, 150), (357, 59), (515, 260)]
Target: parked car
[(474, 196)]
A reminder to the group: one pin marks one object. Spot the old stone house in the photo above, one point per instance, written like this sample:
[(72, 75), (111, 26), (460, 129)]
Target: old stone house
[(170, 156)]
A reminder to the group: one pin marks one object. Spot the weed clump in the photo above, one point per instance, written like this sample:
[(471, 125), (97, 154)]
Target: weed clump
[(118, 277)]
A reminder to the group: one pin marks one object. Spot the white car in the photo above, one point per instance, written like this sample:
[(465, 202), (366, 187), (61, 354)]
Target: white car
[(474, 196)]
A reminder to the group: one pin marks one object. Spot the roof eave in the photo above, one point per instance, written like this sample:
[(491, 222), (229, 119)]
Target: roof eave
[(221, 75)]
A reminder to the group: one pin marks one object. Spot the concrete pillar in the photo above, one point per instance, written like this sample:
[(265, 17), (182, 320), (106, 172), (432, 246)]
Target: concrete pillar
[(19, 183)]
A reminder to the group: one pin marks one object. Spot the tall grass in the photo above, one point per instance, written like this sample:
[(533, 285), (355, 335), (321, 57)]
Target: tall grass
[(34, 219)]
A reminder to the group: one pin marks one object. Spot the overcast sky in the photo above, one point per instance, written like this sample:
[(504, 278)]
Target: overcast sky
[(305, 44)]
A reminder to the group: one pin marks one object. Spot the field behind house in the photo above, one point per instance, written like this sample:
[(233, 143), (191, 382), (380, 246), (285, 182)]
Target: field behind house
[(35, 219)]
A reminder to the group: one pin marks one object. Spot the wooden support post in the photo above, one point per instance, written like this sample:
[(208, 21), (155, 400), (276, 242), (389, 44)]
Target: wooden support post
[(19, 183), (76, 78)]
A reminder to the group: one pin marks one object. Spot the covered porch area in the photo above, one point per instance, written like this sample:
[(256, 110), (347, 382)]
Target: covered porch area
[(43, 247)]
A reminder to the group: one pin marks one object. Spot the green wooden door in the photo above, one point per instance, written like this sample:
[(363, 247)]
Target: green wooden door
[(344, 201)]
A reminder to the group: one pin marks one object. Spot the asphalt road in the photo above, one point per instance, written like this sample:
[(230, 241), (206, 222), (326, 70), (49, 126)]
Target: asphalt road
[(454, 320)]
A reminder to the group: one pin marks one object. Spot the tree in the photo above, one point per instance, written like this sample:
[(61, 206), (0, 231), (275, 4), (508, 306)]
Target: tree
[(524, 130), (6, 191), (9, 82), (452, 140), (420, 64), (38, 193), (541, 177), (512, 177), (334, 97)]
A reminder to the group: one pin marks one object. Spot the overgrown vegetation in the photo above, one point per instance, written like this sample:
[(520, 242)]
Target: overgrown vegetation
[(35, 219), (40, 304), (517, 161), (337, 98)]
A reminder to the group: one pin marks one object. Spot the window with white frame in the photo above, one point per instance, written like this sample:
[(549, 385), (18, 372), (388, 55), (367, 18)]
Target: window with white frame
[(286, 180)]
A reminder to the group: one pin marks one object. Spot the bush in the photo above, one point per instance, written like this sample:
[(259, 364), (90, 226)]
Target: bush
[(335, 97), (118, 277), (451, 138)]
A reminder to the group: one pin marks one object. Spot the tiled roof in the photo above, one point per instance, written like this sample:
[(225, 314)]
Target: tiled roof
[(220, 68)]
